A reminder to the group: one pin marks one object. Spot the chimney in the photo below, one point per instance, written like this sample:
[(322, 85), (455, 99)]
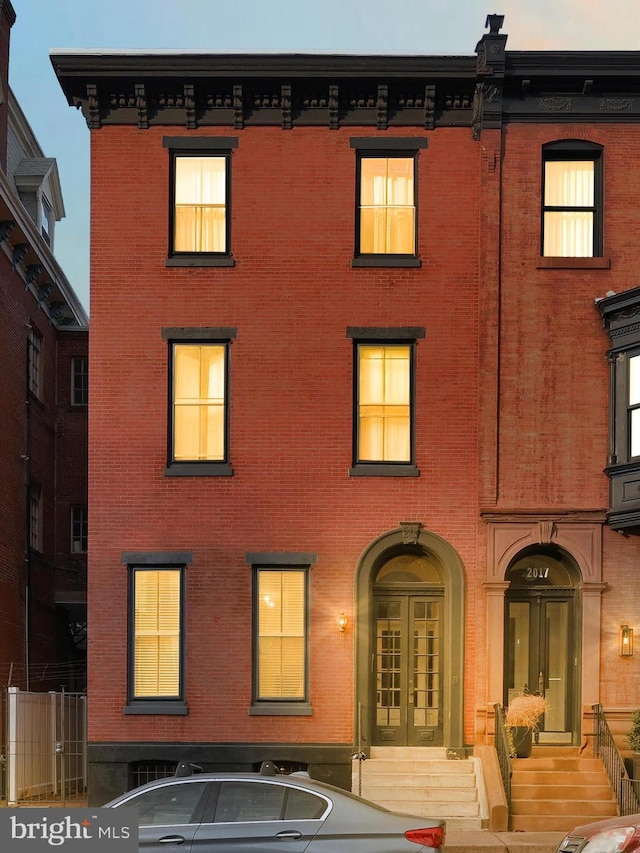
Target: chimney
[(7, 20)]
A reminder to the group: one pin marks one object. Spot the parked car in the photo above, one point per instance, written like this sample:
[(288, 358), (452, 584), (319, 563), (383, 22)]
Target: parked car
[(268, 812), (615, 835)]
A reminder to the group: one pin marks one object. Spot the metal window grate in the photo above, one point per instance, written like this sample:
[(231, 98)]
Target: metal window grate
[(149, 771)]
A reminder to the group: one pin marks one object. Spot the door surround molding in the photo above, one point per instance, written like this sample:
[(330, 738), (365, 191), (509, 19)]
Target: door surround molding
[(405, 539), (580, 537)]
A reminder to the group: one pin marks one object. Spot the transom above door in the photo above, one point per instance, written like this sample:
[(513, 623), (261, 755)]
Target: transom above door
[(408, 605)]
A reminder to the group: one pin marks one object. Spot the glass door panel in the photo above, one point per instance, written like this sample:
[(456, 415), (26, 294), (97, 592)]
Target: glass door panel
[(539, 657), (408, 665)]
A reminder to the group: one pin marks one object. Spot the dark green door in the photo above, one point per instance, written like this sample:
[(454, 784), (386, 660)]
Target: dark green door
[(408, 663), (540, 656)]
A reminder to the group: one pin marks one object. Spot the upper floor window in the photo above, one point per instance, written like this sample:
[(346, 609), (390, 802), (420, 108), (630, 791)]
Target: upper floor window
[(200, 219), (386, 208), (572, 200), (199, 416), (47, 220), (79, 529), (620, 315), (34, 364), (79, 381), (384, 410), (35, 517)]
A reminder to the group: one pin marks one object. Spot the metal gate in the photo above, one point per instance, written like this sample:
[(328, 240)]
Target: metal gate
[(45, 747)]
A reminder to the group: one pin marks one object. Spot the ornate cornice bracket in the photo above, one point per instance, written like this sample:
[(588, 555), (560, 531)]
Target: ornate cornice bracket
[(190, 106), (383, 106), (334, 107), (92, 108), (141, 106), (238, 107)]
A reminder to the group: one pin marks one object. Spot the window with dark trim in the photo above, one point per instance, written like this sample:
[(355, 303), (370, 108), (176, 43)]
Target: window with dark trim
[(386, 201), (156, 641), (572, 199), (79, 380), (384, 408), (620, 314), (281, 633), (200, 196), (79, 529), (35, 517), (34, 362), (199, 401)]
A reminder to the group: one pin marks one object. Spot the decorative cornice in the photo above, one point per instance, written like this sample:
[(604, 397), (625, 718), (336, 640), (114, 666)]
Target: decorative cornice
[(337, 90)]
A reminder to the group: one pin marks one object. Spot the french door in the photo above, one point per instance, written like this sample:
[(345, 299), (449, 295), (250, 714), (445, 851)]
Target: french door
[(540, 656), (408, 666)]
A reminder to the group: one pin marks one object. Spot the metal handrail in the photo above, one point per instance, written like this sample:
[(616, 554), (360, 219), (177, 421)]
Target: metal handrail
[(605, 748), (504, 752)]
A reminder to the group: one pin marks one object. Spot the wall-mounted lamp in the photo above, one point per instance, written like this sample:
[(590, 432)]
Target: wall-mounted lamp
[(342, 622), (626, 641)]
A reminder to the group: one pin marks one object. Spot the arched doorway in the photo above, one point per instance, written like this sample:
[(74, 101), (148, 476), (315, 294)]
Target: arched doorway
[(409, 641), (542, 637), (409, 652)]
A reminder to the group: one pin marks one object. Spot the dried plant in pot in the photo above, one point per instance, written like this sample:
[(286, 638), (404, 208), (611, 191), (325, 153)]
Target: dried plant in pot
[(522, 718)]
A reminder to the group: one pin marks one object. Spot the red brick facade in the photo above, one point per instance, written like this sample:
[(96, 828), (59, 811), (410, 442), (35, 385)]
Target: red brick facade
[(512, 410), (43, 452)]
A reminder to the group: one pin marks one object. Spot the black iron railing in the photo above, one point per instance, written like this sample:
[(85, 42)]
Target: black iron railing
[(503, 750), (605, 748)]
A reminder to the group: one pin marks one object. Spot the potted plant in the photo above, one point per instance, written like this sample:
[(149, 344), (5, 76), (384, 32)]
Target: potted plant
[(633, 739), (522, 718)]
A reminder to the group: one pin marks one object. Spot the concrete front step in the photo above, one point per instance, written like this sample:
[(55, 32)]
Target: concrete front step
[(564, 807), (391, 793), (580, 765), (561, 792), (549, 822), (421, 781), (555, 777), (409, 753)]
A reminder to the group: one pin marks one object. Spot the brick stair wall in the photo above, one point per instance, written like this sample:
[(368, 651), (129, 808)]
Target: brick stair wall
[(555, 790), (422, 781)]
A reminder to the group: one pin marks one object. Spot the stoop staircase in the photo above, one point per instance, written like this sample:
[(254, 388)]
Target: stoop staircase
[(556, 789), (423, 782)]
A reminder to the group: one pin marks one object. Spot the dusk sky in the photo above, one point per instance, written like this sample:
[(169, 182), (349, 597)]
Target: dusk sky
[(401, 26)]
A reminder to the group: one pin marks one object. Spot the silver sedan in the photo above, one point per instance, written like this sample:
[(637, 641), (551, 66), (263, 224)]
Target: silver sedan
[(270, 813)]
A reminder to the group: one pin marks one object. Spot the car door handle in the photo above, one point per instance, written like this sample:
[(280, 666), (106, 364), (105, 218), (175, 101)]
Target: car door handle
[(289, 833), (171, 839)]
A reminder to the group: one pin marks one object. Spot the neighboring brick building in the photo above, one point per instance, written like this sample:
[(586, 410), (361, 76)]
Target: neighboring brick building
[(43, 452), (350, 400)]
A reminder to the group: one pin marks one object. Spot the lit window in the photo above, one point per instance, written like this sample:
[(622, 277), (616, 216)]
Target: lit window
[(572, 206), (384, 403), (79, 529), (157, 629), (386, 201), (79, 381), (199, 402), (281, 634), (198, 405), (387, 206), (384, 407), (200, 220), (200, 204), (34, 344)]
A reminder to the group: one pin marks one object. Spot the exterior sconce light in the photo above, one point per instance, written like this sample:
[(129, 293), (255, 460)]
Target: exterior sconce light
[(342, 622), (626, 641)]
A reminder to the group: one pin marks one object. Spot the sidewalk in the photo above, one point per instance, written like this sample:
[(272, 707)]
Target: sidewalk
[(464, 841)]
